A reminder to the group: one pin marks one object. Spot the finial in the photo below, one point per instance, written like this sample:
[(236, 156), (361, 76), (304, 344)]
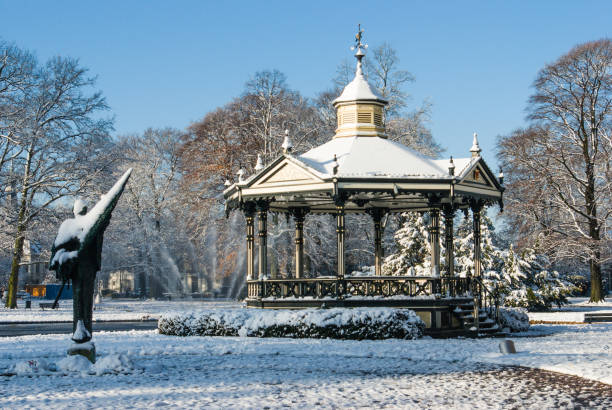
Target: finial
[(475, 150), (451, 167), (287, 144), (240, 174), (501, 176), (259, 165), (360, 47)]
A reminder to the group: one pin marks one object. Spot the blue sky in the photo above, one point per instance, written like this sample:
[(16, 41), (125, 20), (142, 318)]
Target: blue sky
[(167, 63)]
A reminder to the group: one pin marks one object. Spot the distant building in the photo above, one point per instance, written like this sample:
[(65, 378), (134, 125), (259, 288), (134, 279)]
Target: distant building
[(121, 281), (34, 264)]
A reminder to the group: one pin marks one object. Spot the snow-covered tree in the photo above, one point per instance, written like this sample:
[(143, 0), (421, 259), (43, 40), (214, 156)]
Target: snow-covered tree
[(524, 280), (490, 256), (531, 283), (412, 248), (558, 174), (58, 142)]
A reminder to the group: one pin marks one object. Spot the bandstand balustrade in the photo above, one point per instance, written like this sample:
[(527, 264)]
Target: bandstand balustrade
[(360, 286)]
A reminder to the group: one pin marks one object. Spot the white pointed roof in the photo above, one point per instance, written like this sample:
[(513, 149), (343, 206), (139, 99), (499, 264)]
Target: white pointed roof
[(358, 89), (373, 157)]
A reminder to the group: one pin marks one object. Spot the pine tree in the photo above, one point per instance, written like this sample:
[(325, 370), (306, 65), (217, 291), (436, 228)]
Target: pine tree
[(539, 287), (464, 247), (413, 250), (519, 280)]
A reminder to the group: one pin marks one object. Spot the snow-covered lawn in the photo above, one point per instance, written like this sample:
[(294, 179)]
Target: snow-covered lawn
[(573, 312), (111, 309), (144, 369), (126, 309)]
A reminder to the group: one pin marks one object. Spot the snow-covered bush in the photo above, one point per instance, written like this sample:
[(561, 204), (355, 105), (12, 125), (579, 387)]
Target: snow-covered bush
[(357, 323), (524, 280), (538, 288), (515, 319)]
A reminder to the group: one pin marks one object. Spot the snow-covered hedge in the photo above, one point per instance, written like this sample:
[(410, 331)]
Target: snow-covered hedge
[(358, 323), (516, 319)]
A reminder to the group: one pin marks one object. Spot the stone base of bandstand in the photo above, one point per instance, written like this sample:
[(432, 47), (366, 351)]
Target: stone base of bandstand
[(437, 314), (87, 349)]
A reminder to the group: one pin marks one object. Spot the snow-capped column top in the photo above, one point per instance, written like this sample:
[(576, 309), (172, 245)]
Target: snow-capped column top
[(287, 144), (475, 150), (241, 172), (259, 165)]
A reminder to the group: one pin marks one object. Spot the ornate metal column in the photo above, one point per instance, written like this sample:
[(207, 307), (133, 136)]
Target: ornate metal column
[(249, 214), (340, 237), (299, 215), (377, 214), (476, 209), (262, 219), (434, 240), (449, 215)]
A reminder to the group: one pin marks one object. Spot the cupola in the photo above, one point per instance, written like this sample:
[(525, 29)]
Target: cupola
[(359, 109)]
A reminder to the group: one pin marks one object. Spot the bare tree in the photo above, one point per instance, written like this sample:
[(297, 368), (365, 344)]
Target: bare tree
[(383, 71), (152, 209), (411, 130), (559, 180), (60, 139), (16, 78)]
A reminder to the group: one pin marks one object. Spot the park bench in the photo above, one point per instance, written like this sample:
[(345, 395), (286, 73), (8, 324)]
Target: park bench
[(598, 317), (46, 305)]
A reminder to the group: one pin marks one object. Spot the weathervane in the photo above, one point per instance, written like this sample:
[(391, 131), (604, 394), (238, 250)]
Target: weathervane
[(359, 46)]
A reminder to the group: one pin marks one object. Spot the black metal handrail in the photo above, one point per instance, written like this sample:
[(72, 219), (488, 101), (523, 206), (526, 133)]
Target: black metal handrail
[(356, 286), (487, 299)]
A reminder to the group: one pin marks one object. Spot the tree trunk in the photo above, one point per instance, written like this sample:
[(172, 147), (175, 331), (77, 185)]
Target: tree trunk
[(591, 205), (11, 300), (596, 286)]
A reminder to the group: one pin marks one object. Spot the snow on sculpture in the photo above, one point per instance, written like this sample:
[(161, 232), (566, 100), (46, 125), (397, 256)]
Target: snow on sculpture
[(76, 256)]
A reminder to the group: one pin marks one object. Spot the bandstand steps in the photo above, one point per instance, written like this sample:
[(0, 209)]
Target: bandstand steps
[(487, 326)]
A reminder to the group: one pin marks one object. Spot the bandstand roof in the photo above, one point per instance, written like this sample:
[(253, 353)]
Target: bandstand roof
[(371, 172), (365, 169)]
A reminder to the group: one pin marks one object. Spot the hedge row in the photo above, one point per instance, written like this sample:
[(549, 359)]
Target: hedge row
[(357, 323)]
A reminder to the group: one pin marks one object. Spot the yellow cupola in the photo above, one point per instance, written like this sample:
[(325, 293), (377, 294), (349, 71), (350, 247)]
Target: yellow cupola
[(359, 109)]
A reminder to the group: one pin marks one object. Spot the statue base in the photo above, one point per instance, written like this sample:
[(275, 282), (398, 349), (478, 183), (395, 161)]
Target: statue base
[(87, 349)]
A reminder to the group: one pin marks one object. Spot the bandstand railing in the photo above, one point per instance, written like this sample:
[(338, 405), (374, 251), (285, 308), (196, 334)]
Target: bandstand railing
[(360, 286), (486, 298)]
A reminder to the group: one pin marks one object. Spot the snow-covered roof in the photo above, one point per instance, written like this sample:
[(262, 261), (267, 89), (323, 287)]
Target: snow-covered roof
[(359, 89), (375, 157), (461, 164)]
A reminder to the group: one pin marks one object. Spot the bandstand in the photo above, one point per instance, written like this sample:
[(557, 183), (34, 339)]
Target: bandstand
[(361, 171)]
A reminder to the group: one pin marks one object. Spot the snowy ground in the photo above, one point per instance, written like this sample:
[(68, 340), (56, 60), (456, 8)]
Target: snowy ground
[(128, 309), (145, 369), (110, 309), (574, 312)]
